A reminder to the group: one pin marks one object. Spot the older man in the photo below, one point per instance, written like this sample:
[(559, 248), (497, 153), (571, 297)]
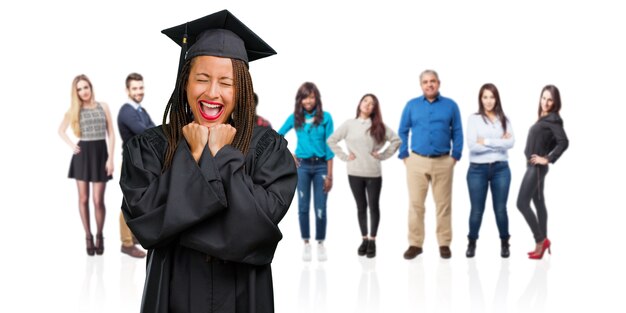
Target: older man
[(434, 123)]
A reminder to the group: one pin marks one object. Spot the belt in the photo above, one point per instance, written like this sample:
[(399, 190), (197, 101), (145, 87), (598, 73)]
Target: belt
[(432, 156), (313, 159)]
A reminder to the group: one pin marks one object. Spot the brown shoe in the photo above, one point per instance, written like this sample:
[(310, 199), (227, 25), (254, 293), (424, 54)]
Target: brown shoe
[(133, 251), (445, 252), (412, 252)]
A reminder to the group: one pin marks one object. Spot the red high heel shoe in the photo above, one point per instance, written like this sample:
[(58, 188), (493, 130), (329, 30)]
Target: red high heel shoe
[(544, 246)]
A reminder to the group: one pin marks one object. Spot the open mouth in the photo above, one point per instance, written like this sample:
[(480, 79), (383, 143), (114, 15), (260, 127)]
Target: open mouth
[(210, 111)]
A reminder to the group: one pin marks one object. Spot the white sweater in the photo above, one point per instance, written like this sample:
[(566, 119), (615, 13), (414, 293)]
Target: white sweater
[(359, 142)]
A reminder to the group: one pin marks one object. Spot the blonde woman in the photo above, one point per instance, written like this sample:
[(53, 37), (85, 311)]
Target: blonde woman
[(92, 161)]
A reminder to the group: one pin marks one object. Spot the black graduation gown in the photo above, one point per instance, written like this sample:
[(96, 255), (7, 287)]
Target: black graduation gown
[(210, 227)]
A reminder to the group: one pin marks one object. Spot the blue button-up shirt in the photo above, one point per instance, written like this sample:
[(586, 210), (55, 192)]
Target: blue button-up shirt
[(311, 138), (435, 127)]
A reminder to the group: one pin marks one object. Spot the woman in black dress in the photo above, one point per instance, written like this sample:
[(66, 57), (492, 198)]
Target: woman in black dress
[(92, 161), (204, 192)]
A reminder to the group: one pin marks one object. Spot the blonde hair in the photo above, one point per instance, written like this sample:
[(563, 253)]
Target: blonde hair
[(76, 104)]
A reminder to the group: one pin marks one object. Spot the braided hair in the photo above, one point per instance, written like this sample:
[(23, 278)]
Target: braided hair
[(242, 118)]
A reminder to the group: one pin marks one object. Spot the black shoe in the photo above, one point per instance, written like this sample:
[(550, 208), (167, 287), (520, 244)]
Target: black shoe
[(504, 252), (471, 249), (412, 252), (363, 247), (444, 252), (99, 244), (371, 249)]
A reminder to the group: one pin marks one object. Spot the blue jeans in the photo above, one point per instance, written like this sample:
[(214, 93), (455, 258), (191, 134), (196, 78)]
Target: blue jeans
[(480, 177), (312, 173)]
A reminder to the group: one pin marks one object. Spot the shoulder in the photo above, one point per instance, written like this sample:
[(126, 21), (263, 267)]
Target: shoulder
[(125, 110), (448, 101), (265, 140), (415, 100), (104, 105), (327, 116), (126, 107), (474, 117), (347, 122)]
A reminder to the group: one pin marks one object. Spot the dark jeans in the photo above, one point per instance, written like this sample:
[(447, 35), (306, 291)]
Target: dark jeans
[(370, 185), (312, 173), (480, 177), (532, 189)]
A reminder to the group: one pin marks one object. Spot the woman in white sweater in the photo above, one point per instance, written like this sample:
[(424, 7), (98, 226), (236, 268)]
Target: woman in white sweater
[(365, 136)]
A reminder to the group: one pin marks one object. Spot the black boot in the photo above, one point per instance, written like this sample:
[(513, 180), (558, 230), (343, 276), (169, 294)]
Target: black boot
[(371, 249), (505, 248), (363, 247), (471, 249)]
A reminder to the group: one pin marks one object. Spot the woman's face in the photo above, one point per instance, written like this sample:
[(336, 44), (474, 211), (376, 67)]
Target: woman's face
[(488, 100), (308, 103), (84, 91), (366, 106), (210, 90), (546, 101)]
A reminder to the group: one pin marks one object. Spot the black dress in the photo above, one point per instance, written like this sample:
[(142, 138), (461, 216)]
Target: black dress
[(211, 226)]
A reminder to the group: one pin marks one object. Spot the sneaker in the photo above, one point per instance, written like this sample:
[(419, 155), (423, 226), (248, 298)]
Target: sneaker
[(321, 253), (306, 254)]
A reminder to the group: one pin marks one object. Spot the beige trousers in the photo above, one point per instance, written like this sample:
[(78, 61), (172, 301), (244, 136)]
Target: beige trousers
[(422, 171), (125, 234)]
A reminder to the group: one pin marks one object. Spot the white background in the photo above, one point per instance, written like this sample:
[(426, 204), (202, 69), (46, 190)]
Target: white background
[(348, 49)]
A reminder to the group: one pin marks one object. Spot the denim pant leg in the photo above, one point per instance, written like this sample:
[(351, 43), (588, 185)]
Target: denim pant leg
[(305, 178), (319, 200), (477, 184), (500, 183)]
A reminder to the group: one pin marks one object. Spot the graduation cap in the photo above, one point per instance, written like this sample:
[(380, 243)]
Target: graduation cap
[(219, 34)]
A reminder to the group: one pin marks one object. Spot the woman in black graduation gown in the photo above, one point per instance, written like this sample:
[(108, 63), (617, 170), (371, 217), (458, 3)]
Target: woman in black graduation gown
[(204, 193)]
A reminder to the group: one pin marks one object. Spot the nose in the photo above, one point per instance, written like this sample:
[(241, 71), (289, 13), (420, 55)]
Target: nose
[(212, 90)]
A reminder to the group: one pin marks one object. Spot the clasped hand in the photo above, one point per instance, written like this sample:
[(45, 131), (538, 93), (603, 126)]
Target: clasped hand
[(216, 137)]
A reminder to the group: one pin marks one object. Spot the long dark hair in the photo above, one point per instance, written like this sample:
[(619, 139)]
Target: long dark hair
[(377, 130), (556, 100), (497, 108), (180, 114), (304, 91)]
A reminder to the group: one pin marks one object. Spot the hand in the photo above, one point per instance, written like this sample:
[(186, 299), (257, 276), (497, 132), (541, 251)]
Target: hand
[(196, 136), (351, 156), (480, 141), (109, 166), (535, 159), (328, 184), (506, 136), (76, 149), (376, 155), (219, 136)]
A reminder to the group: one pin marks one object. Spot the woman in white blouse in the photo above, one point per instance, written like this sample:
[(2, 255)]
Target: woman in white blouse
[(489, 136), (365, 136)]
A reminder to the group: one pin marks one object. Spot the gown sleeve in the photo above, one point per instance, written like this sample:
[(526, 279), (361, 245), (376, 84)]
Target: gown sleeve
[(227, 206), (159, 205), (259, 189)]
